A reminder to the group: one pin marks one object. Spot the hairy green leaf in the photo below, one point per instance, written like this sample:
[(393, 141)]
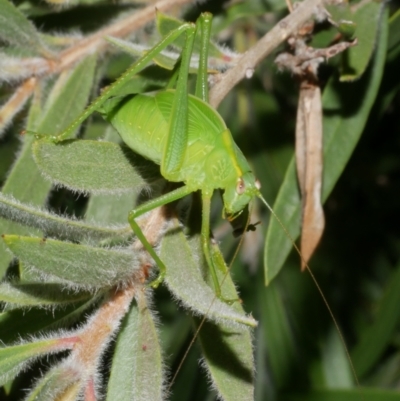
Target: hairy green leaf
[(53, 382), (38, 294), (81, 265), (228, 351), (95, 167), (15, 358), (137, 368), (16, 30), (184, 280), (52, 224), (68, 97)]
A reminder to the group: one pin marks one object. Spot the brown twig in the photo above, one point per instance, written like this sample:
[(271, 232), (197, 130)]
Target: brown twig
[(96, 43), (16, 102), (119, 29), (249, 60)]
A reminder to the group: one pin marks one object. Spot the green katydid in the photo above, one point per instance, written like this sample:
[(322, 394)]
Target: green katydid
[(184, 135)]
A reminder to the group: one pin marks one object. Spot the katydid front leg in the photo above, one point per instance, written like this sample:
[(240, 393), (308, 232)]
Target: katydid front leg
[(205, 242), (146, 207), (205, 233)]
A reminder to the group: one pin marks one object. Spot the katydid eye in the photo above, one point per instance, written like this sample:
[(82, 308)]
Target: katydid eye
[(258, 184), (240, 187)]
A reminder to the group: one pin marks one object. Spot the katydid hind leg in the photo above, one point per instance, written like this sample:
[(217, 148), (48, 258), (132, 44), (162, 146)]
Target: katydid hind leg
[(202, 81), (138, 66), (174, 151)]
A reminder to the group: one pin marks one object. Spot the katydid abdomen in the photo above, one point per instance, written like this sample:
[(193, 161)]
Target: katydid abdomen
[(211, 160)]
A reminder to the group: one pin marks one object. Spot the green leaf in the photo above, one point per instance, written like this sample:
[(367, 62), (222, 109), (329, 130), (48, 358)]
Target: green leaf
[(346, 110), (184, 280), (14, 359), (355, 61), (82, 265), (95, 167), (16, 30), (53, 382), (377, 337), (137, 367), (394, 36), (277, 332), (52, 224), (38, 294), (68, 97), (229, 360), (343, 18), (361, 394)]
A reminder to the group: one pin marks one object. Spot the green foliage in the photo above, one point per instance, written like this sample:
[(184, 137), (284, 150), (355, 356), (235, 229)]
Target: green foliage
[(74, 274)]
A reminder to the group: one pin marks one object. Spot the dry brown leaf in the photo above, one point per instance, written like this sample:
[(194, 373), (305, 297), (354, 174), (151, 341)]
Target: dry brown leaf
[(309, 167)]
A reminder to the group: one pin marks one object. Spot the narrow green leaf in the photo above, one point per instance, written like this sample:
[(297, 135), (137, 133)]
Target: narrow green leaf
[(95, 167), (38, 294), (52, 224), (361, 394), (14, 359), (82, 265), (137, 371), (335, 362), (346, 110), (277, 332), (17, 30), (376, 338), (367, 19), (184, 280), (394, 36), (68, 99)]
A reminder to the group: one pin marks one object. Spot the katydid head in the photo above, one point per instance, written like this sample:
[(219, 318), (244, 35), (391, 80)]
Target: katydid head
[(238, 195)]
